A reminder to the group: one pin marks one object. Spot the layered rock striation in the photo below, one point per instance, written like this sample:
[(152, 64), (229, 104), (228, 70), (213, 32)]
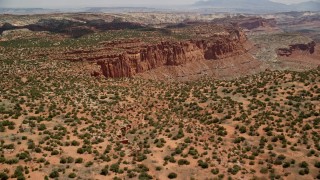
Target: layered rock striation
[(249, 23), (147, 57), (253, 23)]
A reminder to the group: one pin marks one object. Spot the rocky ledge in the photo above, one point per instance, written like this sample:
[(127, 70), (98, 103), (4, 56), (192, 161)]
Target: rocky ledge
[(308, 48), (139, 59)]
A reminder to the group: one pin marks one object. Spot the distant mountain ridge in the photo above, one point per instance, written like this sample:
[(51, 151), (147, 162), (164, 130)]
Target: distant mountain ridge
[(257, 5), (307, 6), (204, 6), (26, 10)]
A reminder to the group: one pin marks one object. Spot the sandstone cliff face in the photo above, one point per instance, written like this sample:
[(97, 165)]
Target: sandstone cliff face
[(254, 23), (249, 23), (148, 57), (308, 48)]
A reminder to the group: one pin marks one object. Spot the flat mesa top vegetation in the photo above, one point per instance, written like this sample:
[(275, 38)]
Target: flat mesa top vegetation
[(54, 40), (58, 122)]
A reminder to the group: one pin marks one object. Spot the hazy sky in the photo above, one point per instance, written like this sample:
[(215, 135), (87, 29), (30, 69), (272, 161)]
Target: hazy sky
[(94, 3)]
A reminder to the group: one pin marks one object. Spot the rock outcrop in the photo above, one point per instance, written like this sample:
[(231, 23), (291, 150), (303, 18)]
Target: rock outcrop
[(148, 57), (254, 23), (248, 23), (5, 27), (308, 48)]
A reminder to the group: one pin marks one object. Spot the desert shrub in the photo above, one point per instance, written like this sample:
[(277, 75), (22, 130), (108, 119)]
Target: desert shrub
[(42, 127), (75, 143), (243, 129), (115, 167), (203, 164), (37, 150), (215, 171), (239, 140), (105, 158), (70, 159), (286, 165), (303, 164), (54, 174), (23, 155), (11, 161), (144, 176), (192, 151), (131, 174), (104, 171), (172, 175), (72, 175), (234, 170), (31, 145), (79, 160), (63, 160), (183, 162), (18, 173), (88, 164), (170, 159), (142, 168), (141, 157), (3, 176), (55, 152)]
